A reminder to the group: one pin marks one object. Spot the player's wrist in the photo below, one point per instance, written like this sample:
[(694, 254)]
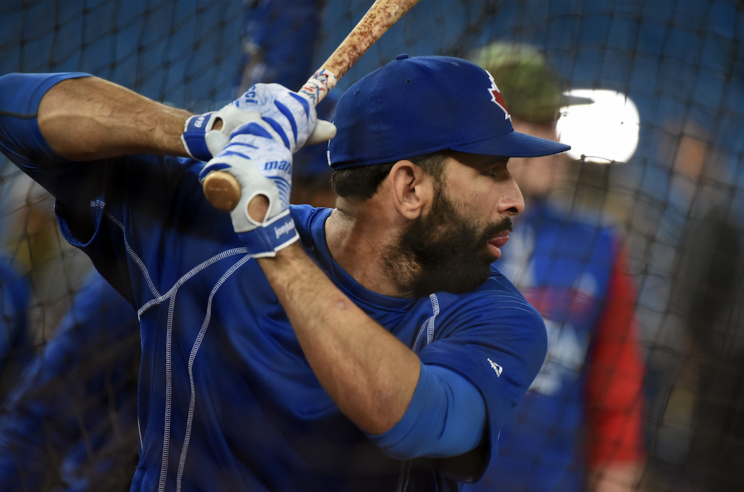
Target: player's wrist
[(196, 136), (271, 236), (291, 258)]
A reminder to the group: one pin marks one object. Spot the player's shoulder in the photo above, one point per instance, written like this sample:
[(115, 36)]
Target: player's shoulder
[(309, 221), (495, 316), (496, 299)]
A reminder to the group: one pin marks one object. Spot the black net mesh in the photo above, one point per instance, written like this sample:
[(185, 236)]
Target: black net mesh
[(674, 206)]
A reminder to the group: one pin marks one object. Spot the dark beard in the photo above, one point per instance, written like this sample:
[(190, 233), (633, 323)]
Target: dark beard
[(443, 251)]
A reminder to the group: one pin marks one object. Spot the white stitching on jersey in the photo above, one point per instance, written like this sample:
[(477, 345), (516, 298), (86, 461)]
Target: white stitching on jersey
[(401, 476), (102, 205), (428, 325), (418, 337), (435, 308), (130, 251), (168, 391), (405, 475), (191, 273), (408, 476), (139, 436), (139, 429), (192, 357), (169, 333)]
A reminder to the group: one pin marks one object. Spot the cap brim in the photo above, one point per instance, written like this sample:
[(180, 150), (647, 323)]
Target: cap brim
[(513, 144)]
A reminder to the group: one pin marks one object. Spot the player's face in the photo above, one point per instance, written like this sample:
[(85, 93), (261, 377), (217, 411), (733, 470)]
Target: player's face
[(455, 243), (482, 189)]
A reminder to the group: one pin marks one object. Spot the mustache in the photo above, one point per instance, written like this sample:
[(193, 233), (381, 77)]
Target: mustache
[(503, 226)]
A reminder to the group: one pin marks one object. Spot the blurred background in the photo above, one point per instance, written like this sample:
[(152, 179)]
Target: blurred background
[(632, 246)]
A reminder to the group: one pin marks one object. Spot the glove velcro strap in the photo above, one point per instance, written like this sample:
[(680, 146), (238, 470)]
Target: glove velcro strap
[(270, 237), (193, 137)]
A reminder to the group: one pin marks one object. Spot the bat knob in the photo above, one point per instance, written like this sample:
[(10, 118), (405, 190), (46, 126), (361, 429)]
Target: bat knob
[(222, 190)]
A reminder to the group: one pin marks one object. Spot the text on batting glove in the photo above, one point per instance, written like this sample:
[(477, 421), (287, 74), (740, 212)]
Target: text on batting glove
[(202, 141), (291, 118), (262, 165)]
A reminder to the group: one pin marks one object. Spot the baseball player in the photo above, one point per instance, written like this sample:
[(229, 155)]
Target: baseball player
[(369, 347), (580, 425)]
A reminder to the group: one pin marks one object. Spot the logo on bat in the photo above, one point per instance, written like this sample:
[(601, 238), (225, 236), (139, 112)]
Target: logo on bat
[(496, 97)]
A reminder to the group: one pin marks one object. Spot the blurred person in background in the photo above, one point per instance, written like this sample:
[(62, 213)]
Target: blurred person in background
[(709, 292), (29, 235), (70, 423), (15, 347), (580, 426), (692, 287)]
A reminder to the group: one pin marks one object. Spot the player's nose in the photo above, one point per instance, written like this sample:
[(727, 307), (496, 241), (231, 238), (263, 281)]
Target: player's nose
[(512, 201)]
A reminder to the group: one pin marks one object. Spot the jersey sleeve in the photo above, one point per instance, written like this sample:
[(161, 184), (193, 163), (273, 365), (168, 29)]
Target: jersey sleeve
[(116, 210), (615, 379), (73, 184), (498, 343), (20, 138)]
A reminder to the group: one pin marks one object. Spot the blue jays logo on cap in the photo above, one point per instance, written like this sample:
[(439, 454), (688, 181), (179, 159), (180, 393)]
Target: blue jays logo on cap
[(416, 106), (496, 96)]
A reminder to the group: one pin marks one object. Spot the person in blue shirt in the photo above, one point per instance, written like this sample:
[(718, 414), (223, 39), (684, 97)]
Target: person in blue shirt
[(369, 347), (580, 425), (71, 421), (15, 346)]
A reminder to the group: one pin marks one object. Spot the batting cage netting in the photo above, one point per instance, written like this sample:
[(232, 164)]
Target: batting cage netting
[(631, 246)]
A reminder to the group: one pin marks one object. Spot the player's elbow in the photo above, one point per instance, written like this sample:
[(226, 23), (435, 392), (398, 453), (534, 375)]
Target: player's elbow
[(446, 418)]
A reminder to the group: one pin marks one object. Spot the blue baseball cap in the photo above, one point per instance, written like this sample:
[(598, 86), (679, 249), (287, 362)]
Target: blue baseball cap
[(416, 106)]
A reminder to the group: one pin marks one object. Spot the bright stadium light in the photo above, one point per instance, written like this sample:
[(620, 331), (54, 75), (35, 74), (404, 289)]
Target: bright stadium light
[(600, 125)]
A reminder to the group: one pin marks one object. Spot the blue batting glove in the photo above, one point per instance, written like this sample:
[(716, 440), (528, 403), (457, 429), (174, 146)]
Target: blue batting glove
[(291, 118), (258, 158)]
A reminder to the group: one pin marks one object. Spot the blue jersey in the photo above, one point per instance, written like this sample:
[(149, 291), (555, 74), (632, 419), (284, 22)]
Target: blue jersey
[(227, 400), (565, 266)]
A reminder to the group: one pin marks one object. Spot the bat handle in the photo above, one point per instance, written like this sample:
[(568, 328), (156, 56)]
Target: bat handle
[(221, 189)]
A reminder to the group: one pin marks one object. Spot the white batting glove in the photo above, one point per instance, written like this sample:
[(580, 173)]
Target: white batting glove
[(257, 157), (290, 117)]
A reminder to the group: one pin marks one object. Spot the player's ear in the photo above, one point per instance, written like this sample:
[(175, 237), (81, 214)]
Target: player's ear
[(412, 189)]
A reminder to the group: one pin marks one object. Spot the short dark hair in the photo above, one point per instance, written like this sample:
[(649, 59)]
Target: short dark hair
[(361, 183)]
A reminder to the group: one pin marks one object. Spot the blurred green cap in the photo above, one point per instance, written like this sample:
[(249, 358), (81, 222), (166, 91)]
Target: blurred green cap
[(531, 89)]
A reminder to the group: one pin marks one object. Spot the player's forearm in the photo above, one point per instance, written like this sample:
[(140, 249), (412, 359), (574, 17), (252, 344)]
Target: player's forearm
[(89, 118), (369, 373)]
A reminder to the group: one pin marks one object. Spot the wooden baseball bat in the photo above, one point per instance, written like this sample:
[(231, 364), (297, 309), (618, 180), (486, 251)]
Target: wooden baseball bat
[(222, 189)]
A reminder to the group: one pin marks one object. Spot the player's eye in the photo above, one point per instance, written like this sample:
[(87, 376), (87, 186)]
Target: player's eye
[(493, 171), (495, 168)]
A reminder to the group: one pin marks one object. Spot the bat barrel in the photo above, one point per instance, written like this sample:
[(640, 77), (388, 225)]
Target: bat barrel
[(222, 189)]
